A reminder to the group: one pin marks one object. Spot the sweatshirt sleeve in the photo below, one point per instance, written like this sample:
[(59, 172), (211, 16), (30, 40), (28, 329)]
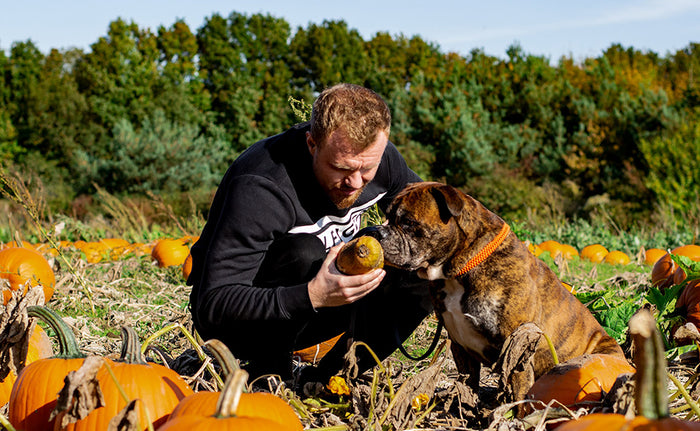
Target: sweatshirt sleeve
[(252, 210)]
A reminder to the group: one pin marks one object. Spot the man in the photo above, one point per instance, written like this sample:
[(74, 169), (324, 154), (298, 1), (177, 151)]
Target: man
[(263, 273)]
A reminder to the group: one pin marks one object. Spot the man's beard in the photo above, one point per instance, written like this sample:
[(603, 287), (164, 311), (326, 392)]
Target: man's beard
[(344, 201)]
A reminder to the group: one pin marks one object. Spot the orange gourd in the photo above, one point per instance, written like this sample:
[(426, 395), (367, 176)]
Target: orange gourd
[(158, 389), (651, 396), (583, 378), (34, 394), (170, 252), (22, 266), (594, 252)]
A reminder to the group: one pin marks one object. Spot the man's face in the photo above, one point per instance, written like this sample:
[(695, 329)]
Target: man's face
[(343, 172)]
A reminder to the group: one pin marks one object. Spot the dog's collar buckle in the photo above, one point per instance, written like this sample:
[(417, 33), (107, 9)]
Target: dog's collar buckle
[(486, 251)]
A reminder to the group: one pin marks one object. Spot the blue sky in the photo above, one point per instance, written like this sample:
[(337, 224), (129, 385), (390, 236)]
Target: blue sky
[(550, 28)]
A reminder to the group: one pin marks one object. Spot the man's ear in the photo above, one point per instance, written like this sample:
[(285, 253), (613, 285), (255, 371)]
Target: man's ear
[(449, 202), (311, 144)]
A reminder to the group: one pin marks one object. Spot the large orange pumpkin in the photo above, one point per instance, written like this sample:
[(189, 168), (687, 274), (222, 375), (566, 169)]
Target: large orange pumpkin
[(158, 389), (170, 252), (583, 378), (689, 302), (22, 266), (651, 398), (239, 411), (205, 403), (691, 250), (34, 394), (594, 252), (662, 272)]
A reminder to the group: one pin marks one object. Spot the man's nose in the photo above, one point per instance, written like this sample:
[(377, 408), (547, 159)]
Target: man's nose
[(354, 180)]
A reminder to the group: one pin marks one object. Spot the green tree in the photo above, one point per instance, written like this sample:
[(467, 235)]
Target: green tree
[(673, 159), (326, 54), (243, 61), (118, 77), (161, 156)]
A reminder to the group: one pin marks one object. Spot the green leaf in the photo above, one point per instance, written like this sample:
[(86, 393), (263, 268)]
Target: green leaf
[(689, 266), (665, 301), (614, 320)]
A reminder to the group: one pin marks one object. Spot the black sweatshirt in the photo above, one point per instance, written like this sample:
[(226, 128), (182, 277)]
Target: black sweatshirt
[(270, 190)]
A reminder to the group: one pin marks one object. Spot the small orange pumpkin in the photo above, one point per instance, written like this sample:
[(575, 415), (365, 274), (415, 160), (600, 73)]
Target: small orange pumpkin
[(187, 267), (552, 246), (652, 255), (170, 252), (594, 252), (22, 266), (617, 257)]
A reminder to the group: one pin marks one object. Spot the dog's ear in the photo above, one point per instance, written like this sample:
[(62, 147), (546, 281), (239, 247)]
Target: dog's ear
[(449, 202)]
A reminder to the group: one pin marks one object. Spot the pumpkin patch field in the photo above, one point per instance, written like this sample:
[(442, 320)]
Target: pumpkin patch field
[(95, 333)]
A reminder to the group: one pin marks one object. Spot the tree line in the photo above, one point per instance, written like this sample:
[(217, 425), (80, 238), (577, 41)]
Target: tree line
[(165, 112)]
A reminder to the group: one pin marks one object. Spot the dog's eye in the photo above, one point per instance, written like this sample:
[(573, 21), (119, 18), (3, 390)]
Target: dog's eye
[(409, 225)]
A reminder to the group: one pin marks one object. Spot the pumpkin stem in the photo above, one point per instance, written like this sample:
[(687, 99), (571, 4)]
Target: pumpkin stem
[(67, 344), (131, 347), (649, 359), (227, 404), (223, 355)]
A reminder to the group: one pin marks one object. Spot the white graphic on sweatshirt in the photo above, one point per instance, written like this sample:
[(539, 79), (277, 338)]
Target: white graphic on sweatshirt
[(333, 230)]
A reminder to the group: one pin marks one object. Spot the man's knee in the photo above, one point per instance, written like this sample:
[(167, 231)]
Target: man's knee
[(291, 259)]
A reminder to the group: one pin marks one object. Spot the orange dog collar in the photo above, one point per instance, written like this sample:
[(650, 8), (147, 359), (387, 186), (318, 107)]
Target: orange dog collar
[(486, 251)]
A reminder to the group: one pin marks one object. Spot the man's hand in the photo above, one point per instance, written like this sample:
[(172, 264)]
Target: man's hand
[(330, 288)]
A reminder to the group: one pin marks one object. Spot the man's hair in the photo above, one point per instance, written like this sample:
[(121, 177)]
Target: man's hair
[(358, 112)]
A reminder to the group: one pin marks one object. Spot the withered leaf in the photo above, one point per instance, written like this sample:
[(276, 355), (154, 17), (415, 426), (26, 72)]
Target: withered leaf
[(81, 392), (126, 420), (16, 329), (687, 334), (515, 361)]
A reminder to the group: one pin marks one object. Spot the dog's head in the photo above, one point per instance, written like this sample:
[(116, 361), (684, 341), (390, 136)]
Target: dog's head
[(424, 228)]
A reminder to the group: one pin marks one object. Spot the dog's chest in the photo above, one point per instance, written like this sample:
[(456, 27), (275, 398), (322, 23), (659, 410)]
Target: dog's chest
[(466, 329)]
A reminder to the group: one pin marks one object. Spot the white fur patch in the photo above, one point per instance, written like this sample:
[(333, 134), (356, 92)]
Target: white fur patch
[(459, 325)]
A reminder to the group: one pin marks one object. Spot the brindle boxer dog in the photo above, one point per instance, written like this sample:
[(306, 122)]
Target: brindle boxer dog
[(488, 282)]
